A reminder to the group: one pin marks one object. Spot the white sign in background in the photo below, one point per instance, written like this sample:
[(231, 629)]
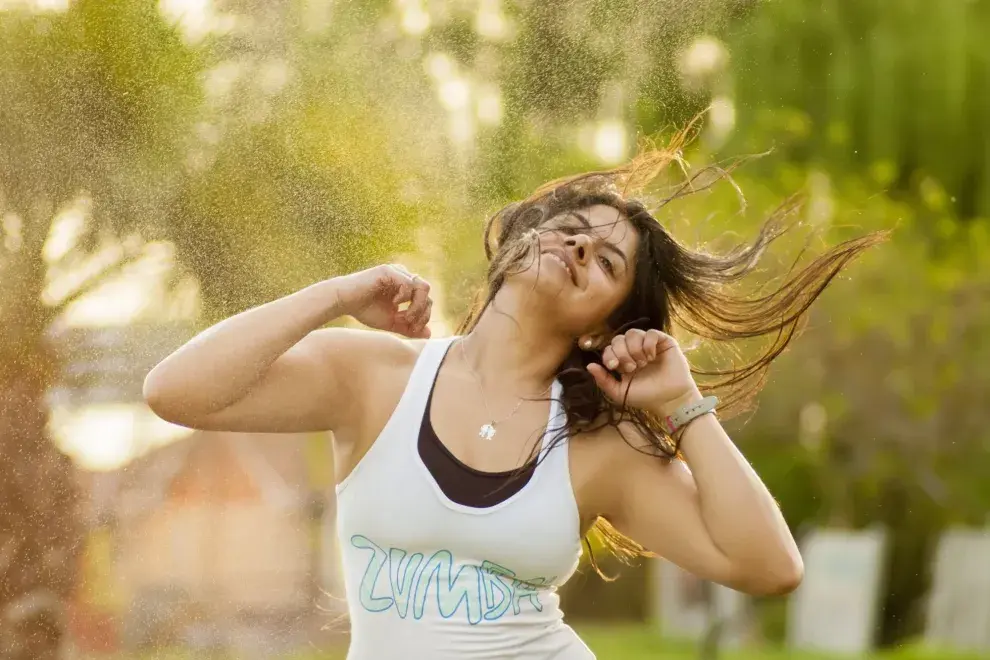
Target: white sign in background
[(959, 603), (837, 605), (684, 606)]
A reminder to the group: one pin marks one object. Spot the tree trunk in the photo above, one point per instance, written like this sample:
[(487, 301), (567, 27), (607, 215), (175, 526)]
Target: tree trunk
[(40, 534)]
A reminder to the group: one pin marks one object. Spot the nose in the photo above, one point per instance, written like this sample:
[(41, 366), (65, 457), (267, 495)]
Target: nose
[(580, 246)]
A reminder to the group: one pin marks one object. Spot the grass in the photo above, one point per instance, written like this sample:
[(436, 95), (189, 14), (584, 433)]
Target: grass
[(632, 642), (641, 643)]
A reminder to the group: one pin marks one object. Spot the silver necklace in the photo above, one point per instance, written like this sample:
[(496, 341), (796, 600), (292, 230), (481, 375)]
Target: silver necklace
[(487, 431)]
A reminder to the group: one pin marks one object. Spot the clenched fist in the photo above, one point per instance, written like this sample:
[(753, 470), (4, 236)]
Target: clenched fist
[(374, 297)]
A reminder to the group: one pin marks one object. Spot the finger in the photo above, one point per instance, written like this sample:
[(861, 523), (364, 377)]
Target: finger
[(626, 363), (665, 343), (651, 342), (419, 306), (398, 279), (609, 358), (605, 381), (428, 314), (404, 326), (634, 344), (418, 323), (404, 291)]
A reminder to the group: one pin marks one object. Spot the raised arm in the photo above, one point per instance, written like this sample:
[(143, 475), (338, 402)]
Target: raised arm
[(717, 520), (271, 369)]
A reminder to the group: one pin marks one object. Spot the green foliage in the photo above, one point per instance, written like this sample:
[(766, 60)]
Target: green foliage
[(897, 88), (96, 100)]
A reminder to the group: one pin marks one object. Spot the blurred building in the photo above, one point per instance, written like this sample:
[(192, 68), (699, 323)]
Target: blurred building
[(212, 538)]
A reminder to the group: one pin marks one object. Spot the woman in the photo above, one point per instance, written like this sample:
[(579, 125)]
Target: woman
[(470, 468)]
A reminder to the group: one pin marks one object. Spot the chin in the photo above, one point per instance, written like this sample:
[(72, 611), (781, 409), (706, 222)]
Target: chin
[(557, 291)]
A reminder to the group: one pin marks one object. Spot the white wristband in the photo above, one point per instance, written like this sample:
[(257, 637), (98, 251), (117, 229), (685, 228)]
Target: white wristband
[(680, 418)]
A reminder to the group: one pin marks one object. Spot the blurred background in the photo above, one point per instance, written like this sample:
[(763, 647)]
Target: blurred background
[(166, 164)]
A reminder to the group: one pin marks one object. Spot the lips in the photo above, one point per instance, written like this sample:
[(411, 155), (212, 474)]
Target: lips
[(565, 262)]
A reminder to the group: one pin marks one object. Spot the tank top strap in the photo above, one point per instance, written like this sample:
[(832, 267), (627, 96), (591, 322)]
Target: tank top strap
[(428, 364), (424, 373), (408, 412), (554, 436)]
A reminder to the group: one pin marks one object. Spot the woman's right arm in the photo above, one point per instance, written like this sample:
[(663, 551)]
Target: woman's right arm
[(271, 369)]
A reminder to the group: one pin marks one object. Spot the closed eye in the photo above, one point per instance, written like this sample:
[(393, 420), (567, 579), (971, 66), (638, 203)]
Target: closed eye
[(606, 264)]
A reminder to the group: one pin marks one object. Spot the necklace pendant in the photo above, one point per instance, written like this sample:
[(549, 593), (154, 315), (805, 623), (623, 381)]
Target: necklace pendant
[(487, 432)]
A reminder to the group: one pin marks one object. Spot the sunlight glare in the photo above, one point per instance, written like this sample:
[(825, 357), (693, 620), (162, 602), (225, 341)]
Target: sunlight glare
[(196, 18), (705, 57), (35, 5), (610, 141), (489, 108), (439, 66), (106, 437), (722, 117), (11, 224), (490, 23), (123, 299), (461, 127), (51, 5), (65, 231), (455, 94), (415, 20)]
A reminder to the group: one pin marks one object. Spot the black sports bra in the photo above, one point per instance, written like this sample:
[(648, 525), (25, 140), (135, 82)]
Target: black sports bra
[(462, 483)]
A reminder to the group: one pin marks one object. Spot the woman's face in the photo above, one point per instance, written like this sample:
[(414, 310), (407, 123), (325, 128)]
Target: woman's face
[(585, 268)]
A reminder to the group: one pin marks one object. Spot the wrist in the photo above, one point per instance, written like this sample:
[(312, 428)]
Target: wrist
[(667, 408), (330, 302)]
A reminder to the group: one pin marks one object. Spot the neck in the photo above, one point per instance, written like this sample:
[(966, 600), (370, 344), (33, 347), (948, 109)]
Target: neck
[(513, 350)]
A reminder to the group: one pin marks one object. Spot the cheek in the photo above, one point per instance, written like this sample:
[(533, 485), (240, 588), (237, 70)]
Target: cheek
[(602, 298), (612, 296)]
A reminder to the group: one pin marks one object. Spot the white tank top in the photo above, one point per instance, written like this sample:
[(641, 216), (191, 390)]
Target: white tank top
[(429, 578)]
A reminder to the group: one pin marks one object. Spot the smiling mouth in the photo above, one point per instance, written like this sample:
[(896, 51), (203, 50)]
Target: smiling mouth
[(563, 264)]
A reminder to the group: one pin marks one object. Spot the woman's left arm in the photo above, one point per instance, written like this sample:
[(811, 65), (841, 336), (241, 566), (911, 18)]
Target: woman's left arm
[(717, 518)]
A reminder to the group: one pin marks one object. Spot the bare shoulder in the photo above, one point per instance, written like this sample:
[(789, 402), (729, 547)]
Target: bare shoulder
[(370, 346), (606, 460), (364, 361), (600, 461), (380, 364), (617, 445)]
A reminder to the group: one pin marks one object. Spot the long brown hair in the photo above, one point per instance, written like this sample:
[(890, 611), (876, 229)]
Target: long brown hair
[(674, 286)]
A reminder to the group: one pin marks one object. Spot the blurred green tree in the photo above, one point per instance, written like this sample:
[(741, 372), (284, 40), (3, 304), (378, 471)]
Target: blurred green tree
[(266, 153), (897, 91), (97, 101)]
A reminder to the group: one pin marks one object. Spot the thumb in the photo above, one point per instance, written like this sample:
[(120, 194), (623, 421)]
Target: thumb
[(605, 381)]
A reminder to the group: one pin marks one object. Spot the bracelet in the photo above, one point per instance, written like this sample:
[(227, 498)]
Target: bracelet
[(688, 413)]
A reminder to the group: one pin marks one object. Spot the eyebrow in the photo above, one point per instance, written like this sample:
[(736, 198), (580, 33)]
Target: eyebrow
[(611, 247)]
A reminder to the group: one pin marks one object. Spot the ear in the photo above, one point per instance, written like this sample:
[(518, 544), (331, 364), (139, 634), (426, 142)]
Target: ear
[(590, 342)]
